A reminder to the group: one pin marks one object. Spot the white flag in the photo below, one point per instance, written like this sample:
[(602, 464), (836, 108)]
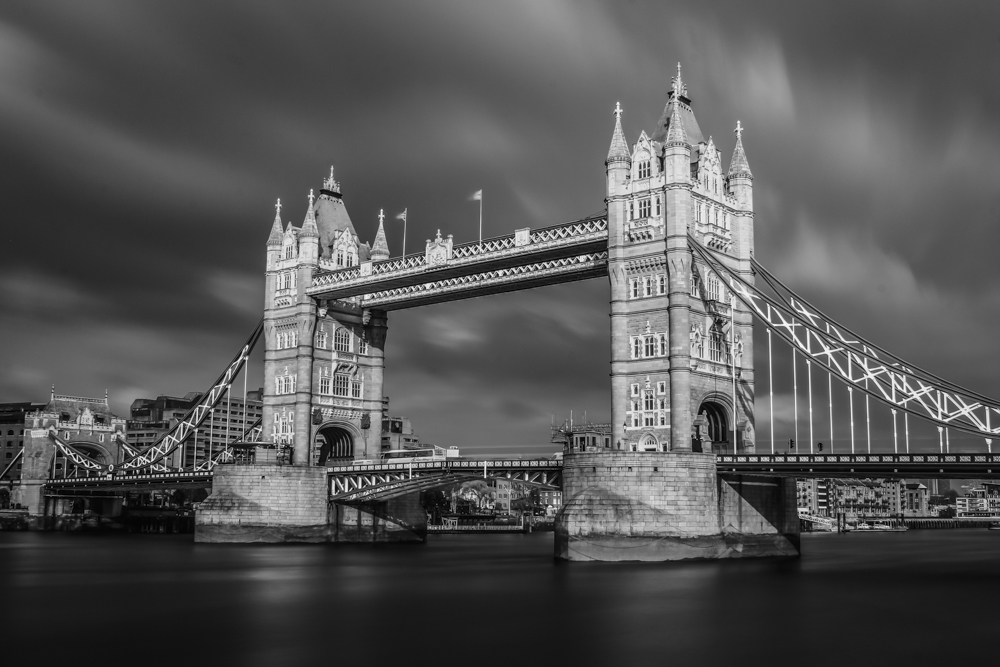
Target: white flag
[(402, 216), (477, 195)]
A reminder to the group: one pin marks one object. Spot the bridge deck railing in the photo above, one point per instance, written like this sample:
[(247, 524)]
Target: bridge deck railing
[(860, 458)]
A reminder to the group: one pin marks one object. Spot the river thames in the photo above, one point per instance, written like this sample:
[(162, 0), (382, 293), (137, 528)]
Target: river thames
[(889, 599)]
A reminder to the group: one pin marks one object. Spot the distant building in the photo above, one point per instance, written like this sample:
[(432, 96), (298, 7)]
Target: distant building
[(12, 417), (551, 499), (502, 496), (151, 418), (983, 501), (915, 500), (861, 497), (397, 434), (582, 437)]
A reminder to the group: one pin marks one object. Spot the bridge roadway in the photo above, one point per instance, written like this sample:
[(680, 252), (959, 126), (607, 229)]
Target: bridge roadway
[(378, 481)]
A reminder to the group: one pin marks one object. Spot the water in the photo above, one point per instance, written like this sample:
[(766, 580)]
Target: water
[(493, 600)]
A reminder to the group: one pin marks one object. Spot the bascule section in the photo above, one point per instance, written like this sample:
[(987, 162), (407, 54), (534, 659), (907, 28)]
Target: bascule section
[(682, 380)]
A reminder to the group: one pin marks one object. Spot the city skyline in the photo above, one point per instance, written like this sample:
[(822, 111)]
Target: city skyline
[(151, 142)]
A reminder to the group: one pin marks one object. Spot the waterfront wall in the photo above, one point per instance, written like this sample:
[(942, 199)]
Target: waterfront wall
[(278, 503), (656, 506)]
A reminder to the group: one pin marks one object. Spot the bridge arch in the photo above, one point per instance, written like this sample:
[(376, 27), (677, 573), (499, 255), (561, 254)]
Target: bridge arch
[(716, 411), (335, 442)]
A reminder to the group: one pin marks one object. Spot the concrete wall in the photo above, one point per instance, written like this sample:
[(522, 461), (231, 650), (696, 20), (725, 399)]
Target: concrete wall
[(656, 506)]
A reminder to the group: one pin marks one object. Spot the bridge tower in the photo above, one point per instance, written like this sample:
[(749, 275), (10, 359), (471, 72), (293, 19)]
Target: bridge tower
[(681, 362), (323, 360)]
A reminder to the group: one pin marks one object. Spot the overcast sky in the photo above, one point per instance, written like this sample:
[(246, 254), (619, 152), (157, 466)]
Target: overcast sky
[(143, 146)]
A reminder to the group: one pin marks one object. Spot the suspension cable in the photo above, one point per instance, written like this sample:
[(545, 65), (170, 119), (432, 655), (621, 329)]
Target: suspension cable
[(770, 388)]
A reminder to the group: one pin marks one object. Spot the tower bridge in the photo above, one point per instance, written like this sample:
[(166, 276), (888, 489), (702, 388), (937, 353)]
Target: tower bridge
[(676, 242)]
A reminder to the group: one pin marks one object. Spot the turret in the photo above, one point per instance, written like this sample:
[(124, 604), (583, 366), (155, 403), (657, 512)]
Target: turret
[(380, 248), (619, 158), (676, 149), (309, 236), (741, 188), (275, 239)]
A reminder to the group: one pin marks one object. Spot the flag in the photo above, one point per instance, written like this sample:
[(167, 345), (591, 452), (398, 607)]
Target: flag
[(477, 195), (402, 216)]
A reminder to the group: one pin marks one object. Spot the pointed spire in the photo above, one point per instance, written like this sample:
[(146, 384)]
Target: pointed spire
[(739, 166), (675, 132), (276, 229), (309, 227), (619, 147), (380, 248), (677, 84)]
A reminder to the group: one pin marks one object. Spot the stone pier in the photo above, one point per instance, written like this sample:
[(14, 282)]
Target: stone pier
[(659, 506), (278, 503)]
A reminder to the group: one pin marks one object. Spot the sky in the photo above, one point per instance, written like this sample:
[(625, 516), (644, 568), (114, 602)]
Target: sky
[(143, 146)]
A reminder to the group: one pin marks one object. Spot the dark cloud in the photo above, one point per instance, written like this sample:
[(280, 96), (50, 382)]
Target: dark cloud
[(144, 145)]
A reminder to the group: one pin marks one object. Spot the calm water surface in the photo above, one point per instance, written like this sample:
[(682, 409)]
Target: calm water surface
[(493, 600)]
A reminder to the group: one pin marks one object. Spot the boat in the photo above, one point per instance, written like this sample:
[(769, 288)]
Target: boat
[(886, 527), (994, 525)]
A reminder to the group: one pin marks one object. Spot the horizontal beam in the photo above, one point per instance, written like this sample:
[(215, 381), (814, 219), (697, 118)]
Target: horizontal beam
[(954, 466)]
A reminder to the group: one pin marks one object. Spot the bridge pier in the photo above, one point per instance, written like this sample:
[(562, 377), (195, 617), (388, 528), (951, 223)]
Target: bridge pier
[(660, 506), (277, 503)]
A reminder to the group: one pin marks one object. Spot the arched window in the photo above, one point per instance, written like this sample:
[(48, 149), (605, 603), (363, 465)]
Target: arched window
[(637, 348), (342, 340), (340, 257), (650, 401), (648, 286), (663, 345), (657, 206), (635, 288), (321, 338), (650, 346), (714, 290), (289, 251)]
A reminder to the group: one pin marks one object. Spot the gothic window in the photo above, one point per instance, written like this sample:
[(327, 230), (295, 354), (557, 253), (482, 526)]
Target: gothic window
[(648, 286), (717, 346), (661, 388), (340, 257), (631, 210), (650, 346), (635, 392), (694, 284), (657, 206), (649, 419), (324, 385), (644, 208), (341, 385), (293, 339), (362, 346), (284, 384), (355, 390), (289, 251), (663, 345), (341, 340), (352, 259), (636, 353), (661, 286), (321, 338), (644, 169), (635, 289), (714, 290), (650, 402)]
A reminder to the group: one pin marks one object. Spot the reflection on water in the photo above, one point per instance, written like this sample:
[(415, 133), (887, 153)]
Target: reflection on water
[(493, 600)]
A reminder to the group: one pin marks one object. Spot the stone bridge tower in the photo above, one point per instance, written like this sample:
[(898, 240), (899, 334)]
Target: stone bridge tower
[(681, 362), (323, 361)]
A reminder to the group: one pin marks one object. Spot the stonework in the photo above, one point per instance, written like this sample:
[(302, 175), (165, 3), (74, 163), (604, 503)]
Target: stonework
[(655, 506)]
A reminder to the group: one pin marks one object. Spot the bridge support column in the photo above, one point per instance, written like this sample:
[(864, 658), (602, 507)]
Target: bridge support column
[(659, 506)]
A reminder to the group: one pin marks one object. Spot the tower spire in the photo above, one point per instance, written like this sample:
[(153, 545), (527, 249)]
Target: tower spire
[(739, 166), (309, 227), (619, 147), (380, 248), (675, 132), (276, 230)]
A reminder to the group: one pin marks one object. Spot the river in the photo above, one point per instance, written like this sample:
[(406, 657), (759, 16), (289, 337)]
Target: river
[(918, 597)]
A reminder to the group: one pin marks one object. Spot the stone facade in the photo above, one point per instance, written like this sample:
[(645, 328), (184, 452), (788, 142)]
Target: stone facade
[(323, 361)]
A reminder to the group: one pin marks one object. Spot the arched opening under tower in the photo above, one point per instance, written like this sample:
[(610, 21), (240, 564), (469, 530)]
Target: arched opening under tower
[(335, 445), (64, 467), (717, 431)]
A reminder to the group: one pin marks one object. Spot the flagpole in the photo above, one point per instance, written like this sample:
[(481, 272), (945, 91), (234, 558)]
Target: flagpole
[(480, 218), (404, 232)]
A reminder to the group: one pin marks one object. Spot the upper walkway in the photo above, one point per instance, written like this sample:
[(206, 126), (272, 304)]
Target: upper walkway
[(446, 272)]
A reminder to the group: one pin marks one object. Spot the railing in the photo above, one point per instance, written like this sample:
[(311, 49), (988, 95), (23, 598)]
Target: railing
[(928, 459), (507, 464)]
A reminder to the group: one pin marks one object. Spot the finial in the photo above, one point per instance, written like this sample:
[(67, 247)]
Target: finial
[(381, 216), (311, 197), (618, 111), (277, 207), (678, 84), (738, 131), (331, 172)]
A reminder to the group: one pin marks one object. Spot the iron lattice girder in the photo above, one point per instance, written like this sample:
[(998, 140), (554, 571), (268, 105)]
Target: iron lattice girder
[(837, 349), (573, 239), (553, 272), (348, 480), (147, 482), (956, 466)]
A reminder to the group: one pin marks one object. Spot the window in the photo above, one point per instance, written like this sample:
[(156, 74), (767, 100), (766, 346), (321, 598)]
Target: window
[(694, 283), (636, 351), (284, 384), (661, 286), (663, 345), (341, 385), (657, 206), (635, 289), (355, 390), (342, 340), (650, 346), (362, 346), (321, 338), (644, 169), (650, 402), (631, 210), (648, 286), (714, 291), (661, 388), (635, 392), (717, 347), (644, 208), (324, 385), (340, 257), (289, 251)]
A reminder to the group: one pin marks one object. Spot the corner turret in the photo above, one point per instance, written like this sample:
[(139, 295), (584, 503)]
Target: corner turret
[(619, 157), (740, 178), (676, 149), (380, 248), (309, 236)]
